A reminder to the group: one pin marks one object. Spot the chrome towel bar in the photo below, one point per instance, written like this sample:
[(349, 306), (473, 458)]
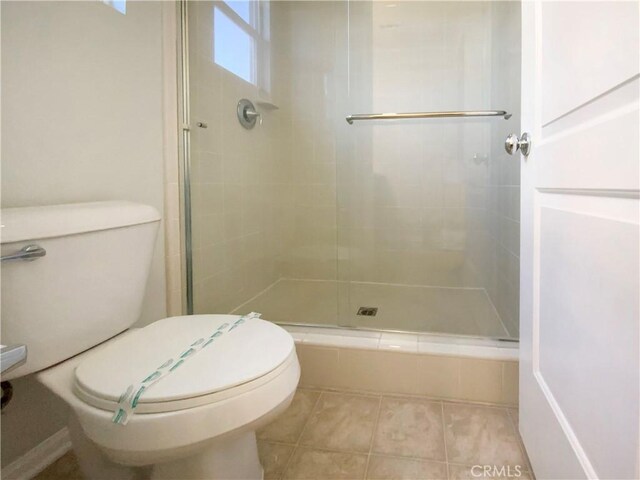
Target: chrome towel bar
[(403, 116)]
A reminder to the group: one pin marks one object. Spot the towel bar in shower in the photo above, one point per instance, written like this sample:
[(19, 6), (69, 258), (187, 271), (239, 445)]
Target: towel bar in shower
[(403, 116)]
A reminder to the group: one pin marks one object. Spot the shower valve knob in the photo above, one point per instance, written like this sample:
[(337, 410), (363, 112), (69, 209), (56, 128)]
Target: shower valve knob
[(512, 144)]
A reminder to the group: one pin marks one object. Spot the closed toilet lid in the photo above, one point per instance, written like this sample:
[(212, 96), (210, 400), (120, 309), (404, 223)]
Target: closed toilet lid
[(250, 351)]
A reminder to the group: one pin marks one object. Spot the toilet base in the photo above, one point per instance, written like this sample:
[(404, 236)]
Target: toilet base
[(234, 458), (94, 464)]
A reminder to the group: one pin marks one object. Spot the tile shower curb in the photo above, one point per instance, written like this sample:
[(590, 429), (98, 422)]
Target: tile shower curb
[(405, 342), (406, 364)]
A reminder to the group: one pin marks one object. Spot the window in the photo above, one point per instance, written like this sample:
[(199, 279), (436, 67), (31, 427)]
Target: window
[(233, 47), (119, 5), (242, 8), (241, 40)]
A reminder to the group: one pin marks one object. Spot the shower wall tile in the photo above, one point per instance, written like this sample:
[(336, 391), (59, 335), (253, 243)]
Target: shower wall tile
[(239, 180), (414, 203), (439, 376), (412, 198), (308, 64), (481, 380), (319, 365), (378, 371), (502, 273)]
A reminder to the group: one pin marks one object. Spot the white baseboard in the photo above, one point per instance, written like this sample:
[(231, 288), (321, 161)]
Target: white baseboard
[(38, 458)]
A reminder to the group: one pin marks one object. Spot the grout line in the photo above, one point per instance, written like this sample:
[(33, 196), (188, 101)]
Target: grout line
[(373, 436), (373, 454), (527, 463), (308, 421), (304, 427), (371, 393), (385, 284), (444, 439), (356, 452), (255, 296), (495, 310), (526, 467), (458, 464)]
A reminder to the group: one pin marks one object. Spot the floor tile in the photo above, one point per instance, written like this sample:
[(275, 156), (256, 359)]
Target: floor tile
[(478, 435), (342, 422), (274, 458), (410, 427), (288, 426), (66, 467), (475, 472), (394, 468), (308, 463)]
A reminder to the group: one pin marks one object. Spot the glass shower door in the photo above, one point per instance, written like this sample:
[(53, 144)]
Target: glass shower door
[(263, 198), (408, 225), (428, 207)]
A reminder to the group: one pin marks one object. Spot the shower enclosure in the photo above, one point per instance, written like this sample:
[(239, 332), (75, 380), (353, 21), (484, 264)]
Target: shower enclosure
[(402, 223)]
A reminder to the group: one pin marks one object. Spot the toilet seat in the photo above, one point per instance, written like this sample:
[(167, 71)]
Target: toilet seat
[(243, 359)]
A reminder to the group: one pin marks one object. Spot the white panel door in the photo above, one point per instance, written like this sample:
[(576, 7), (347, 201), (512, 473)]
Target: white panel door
[(579, 375)]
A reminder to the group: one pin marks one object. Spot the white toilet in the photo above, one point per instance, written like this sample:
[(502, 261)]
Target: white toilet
[(223, 376)]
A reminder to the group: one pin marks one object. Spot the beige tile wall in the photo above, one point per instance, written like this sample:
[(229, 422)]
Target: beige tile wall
[(308, 53), (308, 196), (438, 376), (237, 181), (413, 195), (503, 277), (415, 200)]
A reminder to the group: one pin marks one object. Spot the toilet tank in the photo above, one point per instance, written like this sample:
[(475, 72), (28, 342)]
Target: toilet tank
[(87, 288)]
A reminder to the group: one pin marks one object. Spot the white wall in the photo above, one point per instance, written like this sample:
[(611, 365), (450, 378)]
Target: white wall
[(81, 121)]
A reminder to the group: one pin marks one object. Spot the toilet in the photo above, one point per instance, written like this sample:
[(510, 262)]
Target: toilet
[(180, 398)]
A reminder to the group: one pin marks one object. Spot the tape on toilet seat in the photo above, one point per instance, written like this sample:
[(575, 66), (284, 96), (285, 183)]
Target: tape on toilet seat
[(130, 398)]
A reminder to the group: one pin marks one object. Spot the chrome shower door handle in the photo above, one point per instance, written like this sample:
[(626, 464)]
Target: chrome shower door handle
[(28, 254), (512, 144)]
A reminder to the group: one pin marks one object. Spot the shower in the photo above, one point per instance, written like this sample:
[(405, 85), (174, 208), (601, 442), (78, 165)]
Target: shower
[(307, 201)]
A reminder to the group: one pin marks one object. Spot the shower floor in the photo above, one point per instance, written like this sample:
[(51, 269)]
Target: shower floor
[(457, 311)]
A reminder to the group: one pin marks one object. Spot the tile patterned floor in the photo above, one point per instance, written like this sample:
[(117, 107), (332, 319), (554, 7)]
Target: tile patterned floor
[(328, 435)]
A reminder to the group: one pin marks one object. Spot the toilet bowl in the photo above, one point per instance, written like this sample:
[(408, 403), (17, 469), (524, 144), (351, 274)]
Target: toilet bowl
[(178, 399), (197, 422)]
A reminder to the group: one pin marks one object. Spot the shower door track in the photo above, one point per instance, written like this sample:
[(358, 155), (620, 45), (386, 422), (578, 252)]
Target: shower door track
[(186, 154)]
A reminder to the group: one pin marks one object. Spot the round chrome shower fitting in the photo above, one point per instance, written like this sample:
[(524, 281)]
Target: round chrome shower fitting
[(247, 114)]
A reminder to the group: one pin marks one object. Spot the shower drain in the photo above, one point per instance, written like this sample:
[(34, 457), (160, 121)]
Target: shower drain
[(368, 311)]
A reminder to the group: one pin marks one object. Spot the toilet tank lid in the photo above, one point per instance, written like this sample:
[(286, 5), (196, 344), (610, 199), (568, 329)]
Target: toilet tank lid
[(33, 223)]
